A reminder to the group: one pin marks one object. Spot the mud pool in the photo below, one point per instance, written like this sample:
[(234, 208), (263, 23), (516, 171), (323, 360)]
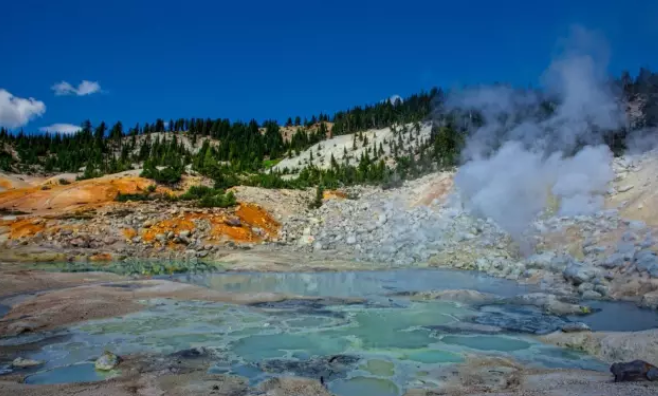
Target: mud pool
[(356, 335)]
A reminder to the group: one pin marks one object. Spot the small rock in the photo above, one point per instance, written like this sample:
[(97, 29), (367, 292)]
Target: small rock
[(601, 289), (585, 287), (137, 239), (351, 240), (107, 362), (20, 363), (19, 327), (184, 234), (613, 261), (591, 295), (575, 327), (233, 222), (78, 242), (317, 246), (650, 300), (625, 188), (637, 225), (628, 236)]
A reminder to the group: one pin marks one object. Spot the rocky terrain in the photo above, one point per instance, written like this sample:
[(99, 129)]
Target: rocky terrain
[(78, 225), (610, 254)]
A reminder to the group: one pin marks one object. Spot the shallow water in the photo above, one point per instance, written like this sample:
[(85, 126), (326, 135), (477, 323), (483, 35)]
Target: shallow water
[(84, 372), (392, 337), (620, 316)]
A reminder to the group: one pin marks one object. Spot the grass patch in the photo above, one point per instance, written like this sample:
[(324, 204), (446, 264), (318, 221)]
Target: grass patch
[(267, 164)]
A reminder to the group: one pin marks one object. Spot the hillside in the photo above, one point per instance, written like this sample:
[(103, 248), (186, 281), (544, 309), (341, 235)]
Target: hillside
[(350, 148)]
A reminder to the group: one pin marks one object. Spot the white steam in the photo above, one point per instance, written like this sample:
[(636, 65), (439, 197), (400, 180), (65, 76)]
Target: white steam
[(521, 153)]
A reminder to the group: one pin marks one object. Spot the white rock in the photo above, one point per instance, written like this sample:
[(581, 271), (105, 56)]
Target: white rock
[(20, 362), (107, 362)]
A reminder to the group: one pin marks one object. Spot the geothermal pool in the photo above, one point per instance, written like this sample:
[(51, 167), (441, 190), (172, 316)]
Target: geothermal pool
[(381, 344)]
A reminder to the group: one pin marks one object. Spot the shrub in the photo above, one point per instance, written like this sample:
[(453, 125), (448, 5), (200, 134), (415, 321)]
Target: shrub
[(133, 197), (64, 182), (196, 192), (218, 200), (167, 175), (210, 197)]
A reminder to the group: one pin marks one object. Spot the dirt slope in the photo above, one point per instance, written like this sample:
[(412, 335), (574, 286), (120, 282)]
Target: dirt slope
[(56, 198)]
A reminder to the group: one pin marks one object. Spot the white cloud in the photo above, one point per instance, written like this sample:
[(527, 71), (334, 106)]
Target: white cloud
[(16, 112), (85, 88), (65, 129)]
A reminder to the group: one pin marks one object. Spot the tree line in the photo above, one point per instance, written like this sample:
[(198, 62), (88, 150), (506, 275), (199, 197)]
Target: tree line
[(242, 152)]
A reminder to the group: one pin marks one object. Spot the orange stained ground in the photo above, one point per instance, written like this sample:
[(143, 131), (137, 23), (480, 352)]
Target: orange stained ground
[(26, 228), (256, 216), (333, 194), (60, 197), (129, 233), (250, 215), (100, 257), (23, 228), (4, 183)]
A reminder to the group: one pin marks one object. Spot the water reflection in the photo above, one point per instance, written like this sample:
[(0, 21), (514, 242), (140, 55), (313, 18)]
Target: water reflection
[(355, 284)]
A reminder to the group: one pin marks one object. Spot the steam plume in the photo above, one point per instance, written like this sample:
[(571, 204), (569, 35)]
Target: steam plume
[(523, 149)]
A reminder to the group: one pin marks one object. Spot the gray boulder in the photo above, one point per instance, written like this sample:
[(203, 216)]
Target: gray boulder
[(575, 327), (22, 363), (615, 260), (591, 295), (577, 273), (550, 304), (646, 260), (626, 250)]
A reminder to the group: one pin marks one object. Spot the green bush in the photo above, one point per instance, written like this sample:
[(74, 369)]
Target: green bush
[(64, 182), (168, 175), (134, 197), (210, 197), (197, 192), (218, 200)]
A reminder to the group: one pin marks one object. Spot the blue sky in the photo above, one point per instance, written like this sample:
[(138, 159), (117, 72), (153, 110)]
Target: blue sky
[(274, 59)]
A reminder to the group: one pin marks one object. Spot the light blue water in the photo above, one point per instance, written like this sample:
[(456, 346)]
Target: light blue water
[(393, 333)]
